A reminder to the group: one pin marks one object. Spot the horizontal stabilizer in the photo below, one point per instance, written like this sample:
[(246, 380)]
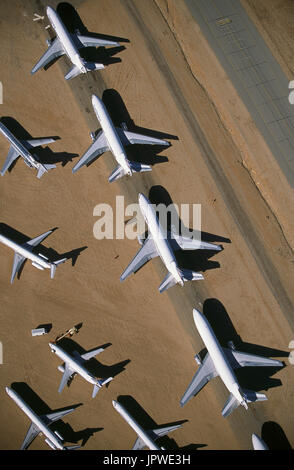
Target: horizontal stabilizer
[(74, 72), (168, 281), (71, 447), (100, 384), (54, 265), (139, 167), (44, 168), (252, 396), (189, 275), (117, 173), (90, 66), (231, 404)]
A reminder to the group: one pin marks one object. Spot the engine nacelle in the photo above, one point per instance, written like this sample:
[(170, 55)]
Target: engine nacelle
[(61, 368), (50, 444), (38, 266), (198, 359)]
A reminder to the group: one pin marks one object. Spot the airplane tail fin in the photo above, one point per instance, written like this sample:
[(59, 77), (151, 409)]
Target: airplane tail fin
[(44, 168), (54, 266), (100, 384), (93, 66), (231, 404)]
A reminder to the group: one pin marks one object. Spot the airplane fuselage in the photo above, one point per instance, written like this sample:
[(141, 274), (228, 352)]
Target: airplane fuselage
[(217, 355), (37, 261), (65, 39), (73, 364), (111, 134), (19, 147), (159, 237), (136, 427), (57, 443)]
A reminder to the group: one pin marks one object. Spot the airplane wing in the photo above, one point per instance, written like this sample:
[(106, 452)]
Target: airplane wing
[(156, 433), (128, 138), (55, 416), (241, 359), (12, 155), (37, 142), (91, 354), (88, 41), (99, 146), (66, 375), (37, 240), (32, 433), (18, 261), (147, 252), (204, 374), (54, 50), (185, 243)]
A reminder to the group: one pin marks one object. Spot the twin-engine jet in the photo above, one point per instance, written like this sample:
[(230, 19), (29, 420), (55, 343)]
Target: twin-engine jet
[(114, 139), (221, 361), (75, 365), (40, 424), (160, 243), (23, 148), (69, 44), (145, 438), (25, 251)]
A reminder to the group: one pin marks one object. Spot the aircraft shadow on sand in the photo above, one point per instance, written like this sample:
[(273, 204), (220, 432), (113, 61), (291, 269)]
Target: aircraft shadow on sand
[(253, 378), (44, 153), (51, 254), (94, 366), (40, 408), (147, 423), (274, 436)]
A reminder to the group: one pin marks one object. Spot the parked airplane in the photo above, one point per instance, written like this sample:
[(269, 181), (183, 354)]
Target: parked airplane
[(221, 361), (40, 424), (258, 443), (23, 148), (158, 243), (25, 251), (113, 139), (145, 438), (68, 43), (75, 365)]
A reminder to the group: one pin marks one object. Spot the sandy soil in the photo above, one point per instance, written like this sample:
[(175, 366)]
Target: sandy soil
[(248, 298)]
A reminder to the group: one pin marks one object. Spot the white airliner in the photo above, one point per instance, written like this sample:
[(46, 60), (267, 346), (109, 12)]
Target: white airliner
[(158, 243), (25, 251), (40, 424), (23, 148), (113, 139), (221, 361), (69, 44), (75, 365), (145, 438)]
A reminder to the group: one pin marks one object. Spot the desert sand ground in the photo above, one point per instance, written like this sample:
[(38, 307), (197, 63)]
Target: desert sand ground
[(247, 293)]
